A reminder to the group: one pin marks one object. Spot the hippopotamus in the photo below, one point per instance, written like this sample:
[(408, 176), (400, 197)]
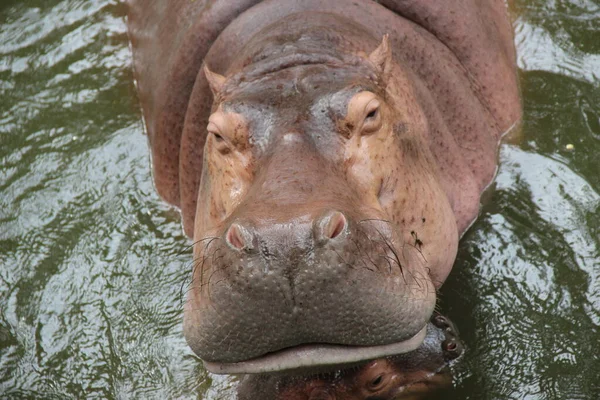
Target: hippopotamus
[(411, 375), (326, 157)]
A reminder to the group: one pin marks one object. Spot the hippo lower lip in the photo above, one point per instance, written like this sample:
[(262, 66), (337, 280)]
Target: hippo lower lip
[(315, 355), (412, 375)]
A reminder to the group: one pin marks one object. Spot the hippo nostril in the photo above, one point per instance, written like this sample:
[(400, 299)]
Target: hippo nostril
[(234, 237), (239, 237), (331, 225), (337, 226)]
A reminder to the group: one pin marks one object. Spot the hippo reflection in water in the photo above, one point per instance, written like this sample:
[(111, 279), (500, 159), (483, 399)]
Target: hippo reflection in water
[(326, 157)]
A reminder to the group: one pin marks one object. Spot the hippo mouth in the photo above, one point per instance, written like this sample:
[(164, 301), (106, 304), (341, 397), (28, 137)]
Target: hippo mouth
[(310, 309), (315, 355)]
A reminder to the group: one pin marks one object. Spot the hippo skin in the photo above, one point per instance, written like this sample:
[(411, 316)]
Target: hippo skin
[(326, 157)]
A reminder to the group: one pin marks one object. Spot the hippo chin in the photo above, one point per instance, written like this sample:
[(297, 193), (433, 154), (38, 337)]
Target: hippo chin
[(326, 157)]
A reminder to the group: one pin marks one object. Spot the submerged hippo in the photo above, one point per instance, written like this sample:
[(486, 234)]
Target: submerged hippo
[(326, 157), (407, 376)]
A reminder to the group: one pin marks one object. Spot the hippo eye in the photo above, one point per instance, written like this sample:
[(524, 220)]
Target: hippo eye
[(372, 120), (377, 383), (220, 142)]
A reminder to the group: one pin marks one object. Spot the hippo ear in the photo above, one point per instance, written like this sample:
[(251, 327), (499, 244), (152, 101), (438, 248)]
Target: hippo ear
[(381, 57), (215, 81)]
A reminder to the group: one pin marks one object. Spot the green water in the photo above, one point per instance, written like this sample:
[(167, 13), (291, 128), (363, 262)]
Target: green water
[(92, 262)]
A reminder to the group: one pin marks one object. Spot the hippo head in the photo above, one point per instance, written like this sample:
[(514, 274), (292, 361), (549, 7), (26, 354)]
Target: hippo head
[(322, 231)]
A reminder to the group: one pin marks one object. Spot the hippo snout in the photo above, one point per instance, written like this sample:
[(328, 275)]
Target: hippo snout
[(325, 278)]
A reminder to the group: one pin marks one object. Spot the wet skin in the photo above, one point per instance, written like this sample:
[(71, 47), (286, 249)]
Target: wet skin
[(325, 174), (408, 376)]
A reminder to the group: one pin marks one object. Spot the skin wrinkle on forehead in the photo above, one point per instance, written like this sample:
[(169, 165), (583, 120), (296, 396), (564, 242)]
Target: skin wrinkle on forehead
[(279, 47)]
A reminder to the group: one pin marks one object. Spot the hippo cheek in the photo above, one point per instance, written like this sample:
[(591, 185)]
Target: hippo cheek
[(415, 202), (397, 175)]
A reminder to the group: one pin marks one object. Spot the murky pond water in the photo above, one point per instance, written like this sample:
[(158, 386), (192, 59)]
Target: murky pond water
[(92, 262)]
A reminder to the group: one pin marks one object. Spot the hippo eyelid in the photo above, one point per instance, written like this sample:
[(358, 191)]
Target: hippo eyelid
[(214, 129), (372, 108), (372, 120), (221, 144)]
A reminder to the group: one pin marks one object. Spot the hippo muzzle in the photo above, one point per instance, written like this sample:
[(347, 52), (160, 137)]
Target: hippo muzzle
[(299, 292)]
